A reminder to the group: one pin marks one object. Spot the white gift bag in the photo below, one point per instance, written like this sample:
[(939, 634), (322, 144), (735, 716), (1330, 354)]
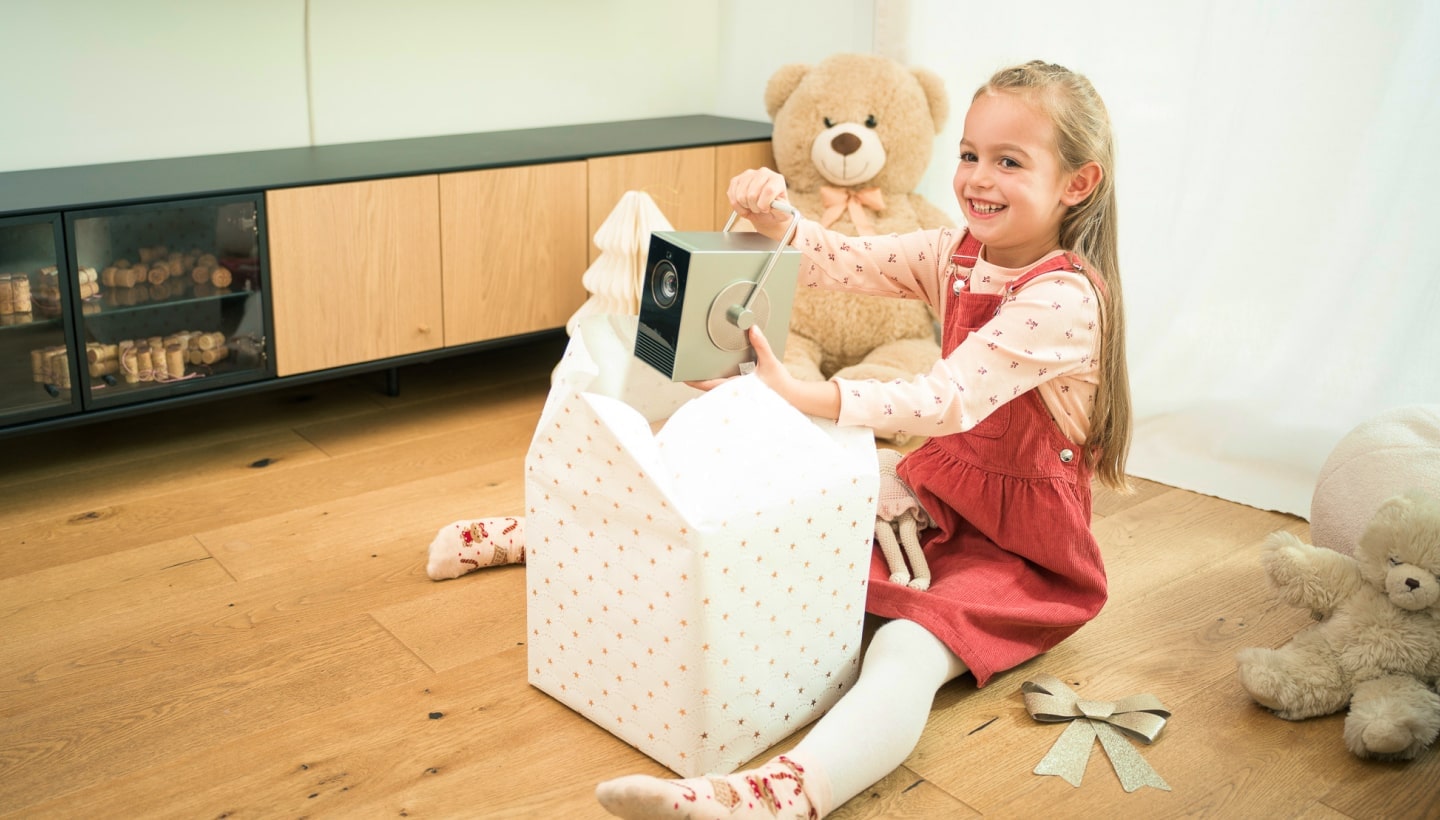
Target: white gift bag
[(700, 591)]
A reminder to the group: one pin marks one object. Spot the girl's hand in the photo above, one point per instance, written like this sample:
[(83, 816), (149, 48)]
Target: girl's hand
[(751, 193), (812, 398)]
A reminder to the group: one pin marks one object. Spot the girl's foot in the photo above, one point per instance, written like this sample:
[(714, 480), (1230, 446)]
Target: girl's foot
[(773, 791), (465, 546)]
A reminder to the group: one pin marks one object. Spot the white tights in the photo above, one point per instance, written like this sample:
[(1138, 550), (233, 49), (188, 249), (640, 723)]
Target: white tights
[(864, 737), (877, 724)]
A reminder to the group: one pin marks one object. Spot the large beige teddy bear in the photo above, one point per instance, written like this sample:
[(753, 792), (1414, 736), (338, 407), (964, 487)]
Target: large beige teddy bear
[(853, 136), (1377, 646)]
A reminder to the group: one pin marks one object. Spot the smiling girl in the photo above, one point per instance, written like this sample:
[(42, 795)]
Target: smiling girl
[(1029, 401)]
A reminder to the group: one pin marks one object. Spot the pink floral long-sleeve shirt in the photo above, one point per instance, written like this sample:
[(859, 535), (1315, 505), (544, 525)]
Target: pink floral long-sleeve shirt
[(1045, 336)]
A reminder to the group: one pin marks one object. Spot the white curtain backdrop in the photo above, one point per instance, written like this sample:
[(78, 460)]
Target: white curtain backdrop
[(1279, 191)]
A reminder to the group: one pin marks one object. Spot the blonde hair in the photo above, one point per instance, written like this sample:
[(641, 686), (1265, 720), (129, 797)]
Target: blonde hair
[(1082, 135)]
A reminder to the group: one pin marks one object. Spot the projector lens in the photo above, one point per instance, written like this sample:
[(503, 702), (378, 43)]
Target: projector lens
[(664, 283)]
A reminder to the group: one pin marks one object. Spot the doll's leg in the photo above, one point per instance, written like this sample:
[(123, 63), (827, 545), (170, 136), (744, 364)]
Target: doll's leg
[(869, 732), (910, 538), (1297, 681), (465, 546), (890, 548), (1392, 718)]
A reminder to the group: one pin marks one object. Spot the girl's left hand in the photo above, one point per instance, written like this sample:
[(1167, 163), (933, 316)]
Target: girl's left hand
[(770, 370), (820, 399)]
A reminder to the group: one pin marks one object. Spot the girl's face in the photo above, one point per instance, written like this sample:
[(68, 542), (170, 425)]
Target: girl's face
[(1009, 182)]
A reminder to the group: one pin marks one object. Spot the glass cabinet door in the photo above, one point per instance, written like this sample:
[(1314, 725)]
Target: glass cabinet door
[(36, 378), (170, 298)]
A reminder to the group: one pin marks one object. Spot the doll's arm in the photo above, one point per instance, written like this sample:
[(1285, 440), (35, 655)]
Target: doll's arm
[(1309, 577)]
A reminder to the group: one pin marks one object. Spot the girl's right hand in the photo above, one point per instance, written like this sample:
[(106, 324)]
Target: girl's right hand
[(751, 193)]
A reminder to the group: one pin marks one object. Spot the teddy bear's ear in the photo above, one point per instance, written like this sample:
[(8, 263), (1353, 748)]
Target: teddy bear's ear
[(782, 84), (935, 95)]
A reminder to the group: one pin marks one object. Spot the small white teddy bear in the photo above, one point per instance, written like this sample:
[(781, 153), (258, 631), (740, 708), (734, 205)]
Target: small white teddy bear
[(898, 520), (1377, 645)]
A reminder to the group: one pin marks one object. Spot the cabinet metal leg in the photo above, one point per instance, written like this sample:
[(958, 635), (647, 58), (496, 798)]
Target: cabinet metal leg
[(392, 382)]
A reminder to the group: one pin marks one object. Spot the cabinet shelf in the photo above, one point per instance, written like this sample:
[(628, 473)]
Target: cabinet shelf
[(106, 306), (338, 259), (29, 321)]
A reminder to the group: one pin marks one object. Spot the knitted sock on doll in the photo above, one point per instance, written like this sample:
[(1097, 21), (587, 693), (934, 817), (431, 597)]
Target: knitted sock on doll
[(465, 546), (772, 791)]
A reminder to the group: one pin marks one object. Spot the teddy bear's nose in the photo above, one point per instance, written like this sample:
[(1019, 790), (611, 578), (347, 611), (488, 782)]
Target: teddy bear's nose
[(1412, 583), (845, 144)]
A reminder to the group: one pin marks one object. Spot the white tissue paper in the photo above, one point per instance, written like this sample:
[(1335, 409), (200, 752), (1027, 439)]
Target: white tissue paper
[(699, 592)]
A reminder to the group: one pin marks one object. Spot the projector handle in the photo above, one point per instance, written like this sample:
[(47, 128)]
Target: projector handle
[(778, 205), (740, 315)]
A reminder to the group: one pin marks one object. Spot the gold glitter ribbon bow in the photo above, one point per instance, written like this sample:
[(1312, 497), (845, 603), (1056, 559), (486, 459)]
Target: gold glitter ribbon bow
[(1049, 700), (835, 200)]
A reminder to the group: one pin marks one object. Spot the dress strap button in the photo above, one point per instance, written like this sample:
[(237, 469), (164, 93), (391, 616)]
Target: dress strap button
[(1067, 455)]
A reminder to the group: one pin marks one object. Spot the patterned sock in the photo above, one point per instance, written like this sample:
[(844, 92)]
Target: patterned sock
[(774, 791), (465, 546)]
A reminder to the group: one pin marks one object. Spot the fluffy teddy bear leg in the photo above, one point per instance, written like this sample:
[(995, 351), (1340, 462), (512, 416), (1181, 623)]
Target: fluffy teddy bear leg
[(465, 546), (902, 359), (1297, 681), (802, 358), (1392, 718)]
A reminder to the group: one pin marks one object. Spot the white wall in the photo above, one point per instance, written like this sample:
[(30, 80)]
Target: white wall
[(148, 78), (756, 37), (1276, 185), (141, 79)]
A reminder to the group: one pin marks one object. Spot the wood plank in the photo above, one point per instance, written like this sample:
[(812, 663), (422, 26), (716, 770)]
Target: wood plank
[(903, 794), (348, 529), (515, 245), (1179, 648), (105, 445), (354, 272), (382, 753), (681, 182), (430, 420), (104, 529), (1141, 545), (465, 620), (177, 695), (137, 479), (42, 602), (1105, 501), (136, 670)]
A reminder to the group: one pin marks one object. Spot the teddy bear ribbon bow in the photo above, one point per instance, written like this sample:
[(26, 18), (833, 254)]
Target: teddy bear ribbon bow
[(1049, 700), (835, 200)]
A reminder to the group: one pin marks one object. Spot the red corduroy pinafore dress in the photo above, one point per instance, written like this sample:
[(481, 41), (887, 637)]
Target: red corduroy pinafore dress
[(1014, 566)]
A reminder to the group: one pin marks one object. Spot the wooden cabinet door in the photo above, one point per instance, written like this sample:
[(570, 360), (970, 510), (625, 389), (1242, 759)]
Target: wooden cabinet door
[(731, 160), (514, 248), (354, 272), (681, 182)]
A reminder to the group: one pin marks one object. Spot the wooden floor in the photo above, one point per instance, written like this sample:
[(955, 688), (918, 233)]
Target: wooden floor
[(222, 611)]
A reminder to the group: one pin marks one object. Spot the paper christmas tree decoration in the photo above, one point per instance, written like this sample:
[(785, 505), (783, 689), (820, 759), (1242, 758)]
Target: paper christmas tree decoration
[(614, 279)]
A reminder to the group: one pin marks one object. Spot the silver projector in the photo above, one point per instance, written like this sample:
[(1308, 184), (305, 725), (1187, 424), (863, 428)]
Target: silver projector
[(699, 296)]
